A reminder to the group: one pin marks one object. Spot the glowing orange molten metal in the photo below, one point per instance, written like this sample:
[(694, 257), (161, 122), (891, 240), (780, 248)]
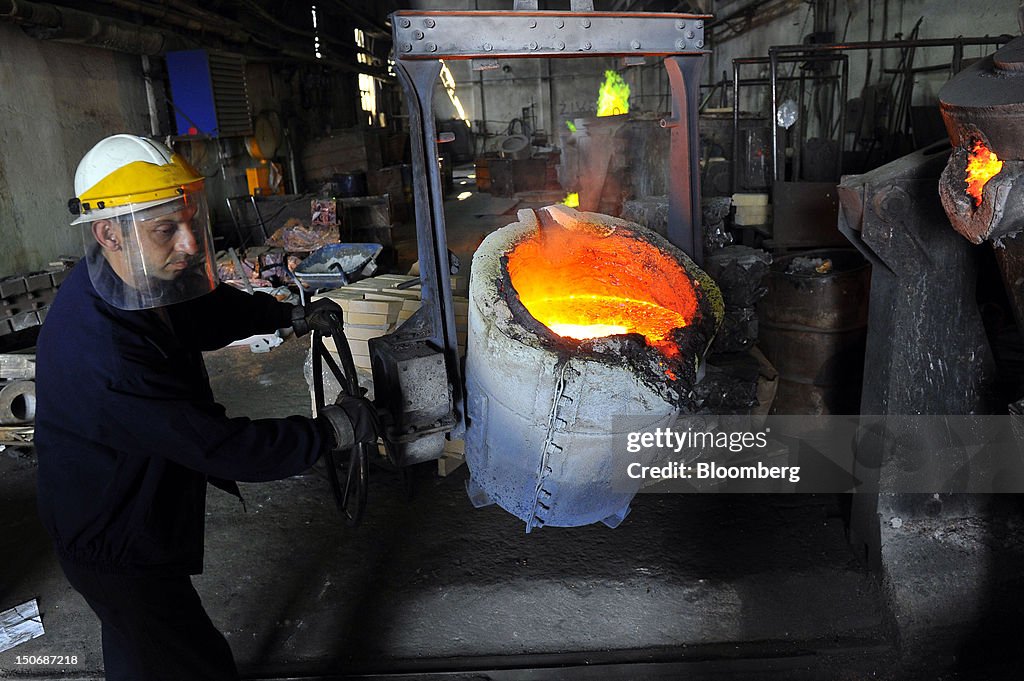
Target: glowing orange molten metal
[(982, 166), (594, 281)]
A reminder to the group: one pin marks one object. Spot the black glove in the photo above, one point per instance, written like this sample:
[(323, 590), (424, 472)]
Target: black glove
[(322, 315), (362, 415), (353, 420)]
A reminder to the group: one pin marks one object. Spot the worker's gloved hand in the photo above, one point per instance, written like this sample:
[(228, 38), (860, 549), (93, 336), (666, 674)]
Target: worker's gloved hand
[(322, 315), (353, 419), (362, 415)]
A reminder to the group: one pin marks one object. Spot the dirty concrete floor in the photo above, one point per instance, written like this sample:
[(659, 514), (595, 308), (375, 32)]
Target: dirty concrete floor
[(430, 583)]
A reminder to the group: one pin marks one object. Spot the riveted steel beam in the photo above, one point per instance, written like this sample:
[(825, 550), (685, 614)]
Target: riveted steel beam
[(508, 35)]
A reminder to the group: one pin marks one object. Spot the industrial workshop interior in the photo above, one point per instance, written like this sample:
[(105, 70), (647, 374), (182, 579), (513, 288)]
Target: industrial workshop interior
[(671, 339)]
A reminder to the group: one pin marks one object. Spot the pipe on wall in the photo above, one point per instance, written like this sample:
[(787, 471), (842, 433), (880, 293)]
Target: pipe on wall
[(154, 118), (62, 24), (190, 23)]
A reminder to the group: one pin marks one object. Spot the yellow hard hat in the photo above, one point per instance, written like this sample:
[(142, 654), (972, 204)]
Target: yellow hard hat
[(123, 173)]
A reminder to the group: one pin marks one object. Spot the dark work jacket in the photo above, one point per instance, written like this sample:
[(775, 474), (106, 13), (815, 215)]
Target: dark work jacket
[(128, 433)]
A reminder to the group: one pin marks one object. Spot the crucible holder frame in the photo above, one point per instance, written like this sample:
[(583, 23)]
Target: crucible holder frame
[(422, 39)]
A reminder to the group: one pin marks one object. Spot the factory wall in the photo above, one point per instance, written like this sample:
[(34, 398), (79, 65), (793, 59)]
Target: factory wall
[(56, 101), (860, 20), (560, 88)]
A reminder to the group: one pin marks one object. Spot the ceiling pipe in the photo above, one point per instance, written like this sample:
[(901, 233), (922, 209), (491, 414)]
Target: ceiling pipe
[(221, 28), (62, 24), (48, 22)]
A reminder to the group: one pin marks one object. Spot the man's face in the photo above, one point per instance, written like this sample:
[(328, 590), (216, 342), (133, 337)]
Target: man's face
[(168, 243)]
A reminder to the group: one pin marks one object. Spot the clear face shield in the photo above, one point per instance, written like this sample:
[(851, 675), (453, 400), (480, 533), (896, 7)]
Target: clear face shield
[(154, 254)]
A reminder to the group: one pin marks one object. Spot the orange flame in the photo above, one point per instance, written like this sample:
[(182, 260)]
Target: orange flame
[(587, 283), (982, 166)]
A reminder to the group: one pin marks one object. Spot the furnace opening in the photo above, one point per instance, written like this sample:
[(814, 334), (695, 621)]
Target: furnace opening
[(982, 166), (588, 283)]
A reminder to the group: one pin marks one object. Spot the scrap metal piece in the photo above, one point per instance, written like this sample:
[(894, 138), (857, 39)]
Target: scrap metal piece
[(17, 403)]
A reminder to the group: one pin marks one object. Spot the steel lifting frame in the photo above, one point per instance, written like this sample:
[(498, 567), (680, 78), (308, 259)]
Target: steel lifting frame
[(422, 39)]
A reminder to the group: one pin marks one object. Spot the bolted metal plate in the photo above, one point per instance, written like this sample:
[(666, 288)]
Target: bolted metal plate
[(479, 35)]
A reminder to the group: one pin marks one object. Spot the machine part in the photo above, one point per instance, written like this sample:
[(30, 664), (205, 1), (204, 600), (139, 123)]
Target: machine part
[(495, 35), (568, 402), (412, 385), (17, 403), (514, 147), (684, 216), (1010, 259), (970, 102), (595, 161), (434, 323), (773, 61), (923, 305), (350, 499), (980, 186), (922, 291), (498, 35)]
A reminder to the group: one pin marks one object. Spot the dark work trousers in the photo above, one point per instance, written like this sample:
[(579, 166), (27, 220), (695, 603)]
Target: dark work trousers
[(154, 628)]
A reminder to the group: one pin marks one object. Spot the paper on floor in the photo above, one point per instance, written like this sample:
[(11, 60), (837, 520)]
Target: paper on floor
[(19, 624)]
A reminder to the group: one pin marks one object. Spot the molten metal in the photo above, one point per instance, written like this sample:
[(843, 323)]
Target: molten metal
[(588, 283), (982, 166)]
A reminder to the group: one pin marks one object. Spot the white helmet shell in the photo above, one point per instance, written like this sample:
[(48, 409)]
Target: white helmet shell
[(113, 153), (128, 169)]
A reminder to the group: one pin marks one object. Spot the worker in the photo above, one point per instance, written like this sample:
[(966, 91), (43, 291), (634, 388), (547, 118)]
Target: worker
[(127, 430)]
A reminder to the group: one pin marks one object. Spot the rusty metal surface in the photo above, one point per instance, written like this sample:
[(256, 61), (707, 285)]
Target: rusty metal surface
[(1001, 212), (506, 35), (987, 100), (813, 330), (434, 322), (805, 214), (832, 302), (927, 352), (986, 103)]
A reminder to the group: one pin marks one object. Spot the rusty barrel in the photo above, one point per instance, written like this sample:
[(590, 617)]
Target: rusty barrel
[(813, 328)]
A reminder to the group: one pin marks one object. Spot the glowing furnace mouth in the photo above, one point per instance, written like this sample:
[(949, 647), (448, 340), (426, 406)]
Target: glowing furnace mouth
[(586, 280), (982, 166)]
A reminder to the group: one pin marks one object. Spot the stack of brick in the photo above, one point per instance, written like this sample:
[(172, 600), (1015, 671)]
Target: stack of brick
[(375, 307), (25, 298), (751, 209)]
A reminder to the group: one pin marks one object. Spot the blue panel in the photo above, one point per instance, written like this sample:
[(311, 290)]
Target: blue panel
[(192, 93)]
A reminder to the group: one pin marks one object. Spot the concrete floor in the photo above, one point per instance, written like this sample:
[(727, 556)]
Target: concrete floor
[(430, 578), (705, 587)]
